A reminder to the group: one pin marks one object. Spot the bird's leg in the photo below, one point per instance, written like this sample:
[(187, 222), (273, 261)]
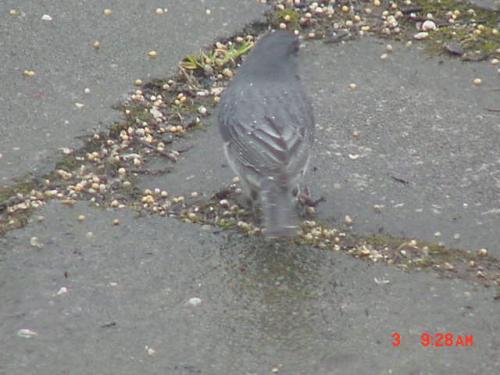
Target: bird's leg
[(253, 204)]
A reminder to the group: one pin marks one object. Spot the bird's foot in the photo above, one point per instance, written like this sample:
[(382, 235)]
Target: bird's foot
[(306, 203)]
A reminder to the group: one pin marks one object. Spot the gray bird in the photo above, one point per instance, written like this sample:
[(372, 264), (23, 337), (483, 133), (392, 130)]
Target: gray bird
[(267, 124)]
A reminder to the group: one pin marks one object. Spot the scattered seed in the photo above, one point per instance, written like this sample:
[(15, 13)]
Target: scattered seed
[(116, 222), (384, 56), (150, 351), (107, 12), (96, 44), (482, 252), (159, 11), (81, 218), (353, 86), (421, 35), (448, 266), (429, 25), (29, 73), (35, 243), (152, 54), (348, 220), (477, 81)]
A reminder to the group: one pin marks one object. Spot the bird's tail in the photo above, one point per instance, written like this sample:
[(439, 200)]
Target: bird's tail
[(280, 215)]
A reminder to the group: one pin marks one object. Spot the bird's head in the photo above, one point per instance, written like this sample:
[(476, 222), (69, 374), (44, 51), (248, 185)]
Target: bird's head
[(274, 53)]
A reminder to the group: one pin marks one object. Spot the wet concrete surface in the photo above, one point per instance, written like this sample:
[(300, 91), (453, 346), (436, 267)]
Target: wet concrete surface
[(39, 115), (264, 306)]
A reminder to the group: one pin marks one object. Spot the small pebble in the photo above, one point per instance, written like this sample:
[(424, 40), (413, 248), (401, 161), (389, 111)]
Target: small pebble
[(116, 222), (195, 301), (353, 86), (46, 17), (26, 333), (138, 82), (152, 54), (477, 81), (62, 291), (96, 44), (384, 56), (86, 90), (159, 11), (348, 220), (208, 11), (389, 48), (81, 218), (107, 12), (13, 12)]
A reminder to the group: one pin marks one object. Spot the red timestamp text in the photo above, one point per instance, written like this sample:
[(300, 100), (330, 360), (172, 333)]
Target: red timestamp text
[(438, 340)]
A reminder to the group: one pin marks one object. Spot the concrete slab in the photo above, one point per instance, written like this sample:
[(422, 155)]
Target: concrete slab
[(131, 304), (39, 114)]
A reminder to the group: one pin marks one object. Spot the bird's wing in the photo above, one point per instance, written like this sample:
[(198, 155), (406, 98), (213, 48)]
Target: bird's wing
[(268, 127)]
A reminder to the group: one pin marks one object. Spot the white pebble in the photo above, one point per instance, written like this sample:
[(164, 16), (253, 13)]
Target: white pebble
[(429, 25), (159, 11), (46, 17), (477, 81), (26, 333), (195, 301), (384, 56), (62, 291)]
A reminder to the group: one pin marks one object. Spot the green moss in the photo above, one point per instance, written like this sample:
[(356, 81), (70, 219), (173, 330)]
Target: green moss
[(472, 31)]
